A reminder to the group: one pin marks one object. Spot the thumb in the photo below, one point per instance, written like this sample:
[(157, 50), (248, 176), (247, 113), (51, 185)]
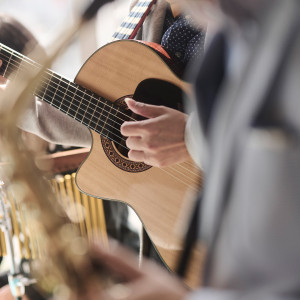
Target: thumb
[(143, 109)]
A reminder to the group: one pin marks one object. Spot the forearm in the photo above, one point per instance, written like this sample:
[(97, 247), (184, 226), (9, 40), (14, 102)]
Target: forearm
[(52, 125)]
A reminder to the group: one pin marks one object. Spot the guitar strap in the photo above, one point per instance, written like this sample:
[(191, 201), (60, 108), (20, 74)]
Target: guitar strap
[(134, 21)]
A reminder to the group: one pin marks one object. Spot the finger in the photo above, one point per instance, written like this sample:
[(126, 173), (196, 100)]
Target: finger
[(136, 155), (134, 143), (121, 262), (132, 128), (143, 109)]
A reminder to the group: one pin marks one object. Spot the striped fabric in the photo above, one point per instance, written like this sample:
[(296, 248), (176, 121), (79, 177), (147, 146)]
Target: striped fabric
[(129, 25)]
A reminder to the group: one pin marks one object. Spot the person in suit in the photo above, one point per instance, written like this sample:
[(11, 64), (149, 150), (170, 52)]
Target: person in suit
[(249, 213)]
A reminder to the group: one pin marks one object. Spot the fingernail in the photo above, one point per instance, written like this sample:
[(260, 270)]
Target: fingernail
[(128, 99)]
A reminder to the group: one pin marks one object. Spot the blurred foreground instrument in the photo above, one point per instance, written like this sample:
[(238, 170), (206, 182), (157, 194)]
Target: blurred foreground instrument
[(88, 215), (62, 250)]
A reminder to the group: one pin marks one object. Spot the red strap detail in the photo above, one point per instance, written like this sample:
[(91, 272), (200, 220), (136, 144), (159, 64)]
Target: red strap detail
[(157, 47), (140, 23)]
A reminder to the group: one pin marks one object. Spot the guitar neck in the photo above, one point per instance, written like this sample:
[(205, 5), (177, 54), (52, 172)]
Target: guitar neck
[(93, 111)]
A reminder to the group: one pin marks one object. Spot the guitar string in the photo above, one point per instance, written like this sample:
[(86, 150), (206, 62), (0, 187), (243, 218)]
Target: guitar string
[(191, 186), (88, 105), (129, 20), (97, 130), (60, 78), (123, 140), (180, 165), (128, 32), (87, 112)]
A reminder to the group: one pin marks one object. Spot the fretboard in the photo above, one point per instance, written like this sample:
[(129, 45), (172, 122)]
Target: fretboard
[(93, 111)]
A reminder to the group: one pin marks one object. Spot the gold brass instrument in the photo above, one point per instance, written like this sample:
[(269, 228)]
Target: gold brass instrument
[(88, 215), (46, 227)]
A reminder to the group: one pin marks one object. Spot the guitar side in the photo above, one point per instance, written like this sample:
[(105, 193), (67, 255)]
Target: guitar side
[(159, 196)]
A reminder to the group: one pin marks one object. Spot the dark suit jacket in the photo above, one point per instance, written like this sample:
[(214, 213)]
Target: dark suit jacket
[(250, 212)]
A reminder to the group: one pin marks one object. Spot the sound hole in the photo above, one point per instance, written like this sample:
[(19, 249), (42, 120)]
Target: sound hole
[(152, 91), (114, 145)]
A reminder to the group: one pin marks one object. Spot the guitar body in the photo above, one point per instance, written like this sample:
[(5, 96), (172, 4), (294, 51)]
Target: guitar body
[(160, 196)]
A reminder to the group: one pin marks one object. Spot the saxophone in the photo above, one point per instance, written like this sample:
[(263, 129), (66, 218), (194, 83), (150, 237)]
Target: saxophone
[(63, 263)]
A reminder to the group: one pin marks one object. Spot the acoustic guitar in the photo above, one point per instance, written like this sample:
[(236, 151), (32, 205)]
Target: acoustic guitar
[(123, 68)]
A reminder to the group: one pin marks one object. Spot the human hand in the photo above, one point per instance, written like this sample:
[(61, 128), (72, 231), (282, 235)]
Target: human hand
[(150, 282), (5, 294), (158, 140)]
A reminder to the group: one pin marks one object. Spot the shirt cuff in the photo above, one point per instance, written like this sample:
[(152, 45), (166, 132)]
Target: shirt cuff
[(194, 140)]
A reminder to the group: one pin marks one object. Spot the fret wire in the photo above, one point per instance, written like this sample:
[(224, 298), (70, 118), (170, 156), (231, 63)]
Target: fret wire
[(45, 98), (68, 85), (82, 122), (37, 65), (100, 120), (62, 99), (46, 88), (71, 83), (85, 123), (113, 119), (86, 103), (86, 110), (7, 64), (101, 113), (82, 98), (57, 85), (75, 105), (103, 110), (18, 70), (126, 147), (78, 105), (93, 114), (105, 122)]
